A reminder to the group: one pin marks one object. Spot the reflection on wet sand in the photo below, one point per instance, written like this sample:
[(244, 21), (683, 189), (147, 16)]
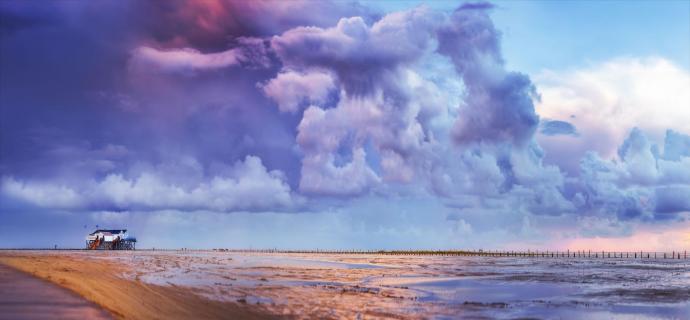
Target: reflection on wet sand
[(351, 286)]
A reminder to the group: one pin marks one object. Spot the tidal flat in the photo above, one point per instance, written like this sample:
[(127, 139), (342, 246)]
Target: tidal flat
[(215, 284)]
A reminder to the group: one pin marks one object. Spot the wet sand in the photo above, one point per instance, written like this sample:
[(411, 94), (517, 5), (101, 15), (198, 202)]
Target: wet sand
[(101, 282), (26, 297), (365, 286)]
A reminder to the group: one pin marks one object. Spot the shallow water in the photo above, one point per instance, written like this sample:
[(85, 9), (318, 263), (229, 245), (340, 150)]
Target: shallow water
[(441, 287)]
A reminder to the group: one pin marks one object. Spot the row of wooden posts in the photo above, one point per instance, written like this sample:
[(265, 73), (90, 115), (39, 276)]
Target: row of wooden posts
[(529, 253), (488, 253)]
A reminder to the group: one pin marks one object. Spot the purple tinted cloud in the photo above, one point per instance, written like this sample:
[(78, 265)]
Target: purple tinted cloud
[(246, 185), (250, 51), (228, 106), (498, 103), (292, 89)]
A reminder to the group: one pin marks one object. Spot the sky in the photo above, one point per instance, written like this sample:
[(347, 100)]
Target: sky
[(347, 125)]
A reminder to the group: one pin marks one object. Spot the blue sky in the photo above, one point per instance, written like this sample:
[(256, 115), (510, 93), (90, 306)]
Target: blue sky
[(373, 124), (541, 35)]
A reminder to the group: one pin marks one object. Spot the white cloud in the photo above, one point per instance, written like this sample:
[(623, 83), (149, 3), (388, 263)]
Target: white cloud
[(321, 176), (289, 89), (42, 194), (607, 100), (639, 183), (247, 186)]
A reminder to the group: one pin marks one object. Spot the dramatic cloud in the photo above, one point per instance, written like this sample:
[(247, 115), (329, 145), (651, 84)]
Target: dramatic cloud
[(407, 126), (208, 25), (498, 104), (361, 56), (377, 114)]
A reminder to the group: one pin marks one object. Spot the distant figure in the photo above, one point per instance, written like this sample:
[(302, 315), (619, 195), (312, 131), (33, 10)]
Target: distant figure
[(56, 247)]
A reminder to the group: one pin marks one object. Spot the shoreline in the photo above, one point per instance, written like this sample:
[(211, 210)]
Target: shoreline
[(101, 283)]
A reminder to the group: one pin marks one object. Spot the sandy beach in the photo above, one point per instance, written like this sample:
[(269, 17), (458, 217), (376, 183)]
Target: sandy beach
[(24, 297), (222, 285), (103, 282)]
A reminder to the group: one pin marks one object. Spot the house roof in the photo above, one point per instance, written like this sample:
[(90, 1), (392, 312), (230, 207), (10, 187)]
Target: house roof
[(111, 231)]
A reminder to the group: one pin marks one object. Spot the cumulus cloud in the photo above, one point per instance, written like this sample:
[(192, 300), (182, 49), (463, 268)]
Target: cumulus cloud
[(377, 114), (246, 186), (640, 183), (498, 104), (606, 100), (320, 175), (291, 89), (351, 109), (389, 124), (495, 163), (359, 55), (42, 194)]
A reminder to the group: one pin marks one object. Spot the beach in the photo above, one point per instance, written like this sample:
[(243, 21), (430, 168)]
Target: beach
[(250, 285)]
